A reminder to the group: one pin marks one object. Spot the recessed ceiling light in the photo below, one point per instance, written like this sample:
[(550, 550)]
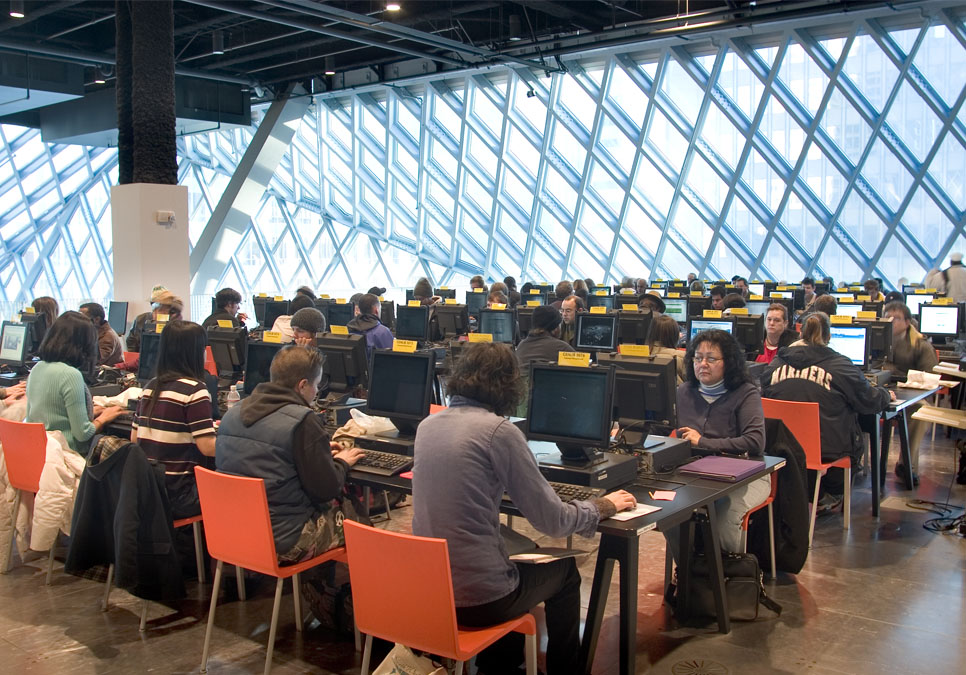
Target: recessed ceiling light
[(393, 6), (16, 9)]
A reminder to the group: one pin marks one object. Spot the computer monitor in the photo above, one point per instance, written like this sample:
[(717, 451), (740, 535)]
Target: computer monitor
[(345, 363), (524, 320), (387, 314), (798, 295), (526, 300), (453, 320), (273, 310), (258, 363), (879, 338), (940, 321), (758, 307), (657, 290), (910, 288), (571, 407), (477, 301), (36, 330), (873, 307), (596, 332), (697, 304), (258, 306), (914, 300), (148, 358), (13, 345), (847, 297), (600, 301), (228, 349), (677, 309), (755, 288), (749, 332), (696, 325), (412, 323), (445, 293), (634, 328), (821, 287), (117, 316), (409, 295), (848, 309), (544, 288), (400, 385), (340, 314), (644, 392), (850, 342), (499, 323)]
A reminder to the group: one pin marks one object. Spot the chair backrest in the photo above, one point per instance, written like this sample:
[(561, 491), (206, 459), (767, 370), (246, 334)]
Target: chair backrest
[(802, 419), (238, 528), (402, 589), (24, 451), (210, 364)]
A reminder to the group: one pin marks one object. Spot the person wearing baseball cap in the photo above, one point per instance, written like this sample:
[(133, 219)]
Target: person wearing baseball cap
[(543, 342), (133, 340)]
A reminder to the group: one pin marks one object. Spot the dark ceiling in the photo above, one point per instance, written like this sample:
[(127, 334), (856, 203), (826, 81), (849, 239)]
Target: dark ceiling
[(272, 42)]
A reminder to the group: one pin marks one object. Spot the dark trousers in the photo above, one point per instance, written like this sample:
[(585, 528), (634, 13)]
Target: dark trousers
[(557, 586)]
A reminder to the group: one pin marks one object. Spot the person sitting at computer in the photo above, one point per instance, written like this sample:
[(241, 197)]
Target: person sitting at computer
[(474, 451), (563, 291), (717, 294), (477, 282), (808, 285), (495, 298), (173, 424), (513, 295), (423, 291), (227, 301), (810, 371), (367, 323), (283, 324), (568, 312), (56, 394), (777, 334), (111, 351), (580, 290), (306, 324), (653, 302), (910, 351), (719, 411), (543, 342), (47, 306), (274, 435), (872, 290), (826, 304), (664, 337), (13, 393), (732, 301), (133, 341)]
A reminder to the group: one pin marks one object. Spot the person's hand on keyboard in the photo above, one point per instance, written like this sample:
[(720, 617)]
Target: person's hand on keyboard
[(622, 499), (350, 455)]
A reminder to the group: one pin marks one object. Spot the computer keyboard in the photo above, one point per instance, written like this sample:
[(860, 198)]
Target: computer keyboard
[(568, 492), (383, 463)]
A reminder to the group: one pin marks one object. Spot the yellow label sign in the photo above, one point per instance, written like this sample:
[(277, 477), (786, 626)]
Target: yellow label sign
[(929, 290), (263, 295), (480, 290), (865, 315), (629, 308), (634, 350), (497, 305), (339, 330), (856, 288), (278, 298), (840, 318), (944, 301), (782, 288), (712, 314), (659, 280), (450, 301), (29, 310), (864, 298), (444, 288), (408, 346), (600, 292), (776, 295), (158, 327), (414, 303), (326, 296), (340, 301), (480, 337), (627, 291), (271, 336), (729, 286), (225, 323), (381, 299), (533, 303), (674, 295), (597, 309), (533, 291), (739, 310), (756, 297), (162, 318), (580, 359)]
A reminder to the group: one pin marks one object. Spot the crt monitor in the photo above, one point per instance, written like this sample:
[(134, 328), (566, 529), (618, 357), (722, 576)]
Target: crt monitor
[(596, 332), (499, 323), (453, 320), (412, 323), (749, 332), (697, 304), (696, 325), (340, 314), (117, 316), (400, 386), (798, 295), (634, 328), (258, 363), (148, 359), (345, 363), (228, 349), (572, 408), (879, 338), (387, 314), (258, 305), (601, 301), (477, 301), (524, 320), (914, 300), (677, 309), (850, 342), (445, 293), (273, 310), (939, 320), (13, 344), (644, 392)]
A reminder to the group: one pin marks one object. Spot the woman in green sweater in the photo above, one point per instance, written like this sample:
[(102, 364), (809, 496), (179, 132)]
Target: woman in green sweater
[(56, 394)]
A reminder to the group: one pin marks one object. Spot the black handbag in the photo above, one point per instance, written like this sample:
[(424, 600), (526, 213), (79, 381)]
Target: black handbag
[(743, 586)]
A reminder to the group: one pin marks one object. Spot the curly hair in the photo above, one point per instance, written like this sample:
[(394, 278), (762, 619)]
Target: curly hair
[(487, 372), (736, 369)]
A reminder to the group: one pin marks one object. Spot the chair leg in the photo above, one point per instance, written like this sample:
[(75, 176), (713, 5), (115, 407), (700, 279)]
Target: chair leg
[(199, 551), (532, 654), (107, 587), (50, 565), (274, 628), (847, 504), (811, 522), (668, 568), (366, 655), (385, 499), (297, 599), (356, 635), (144, 616), (240, 583), (13, 533), (211, 616), (459, 668), (771, 541), (570, 541)]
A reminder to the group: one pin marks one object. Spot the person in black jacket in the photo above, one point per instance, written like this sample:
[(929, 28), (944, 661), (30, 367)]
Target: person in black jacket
[(810, 371), (228, 300), (543, 342)]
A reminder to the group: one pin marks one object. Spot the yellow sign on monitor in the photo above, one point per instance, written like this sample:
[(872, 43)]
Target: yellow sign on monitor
[(29, 310), (597, 309), (865, 315), (161, 318), (450, 301), (944, 301), (864, 298), (628, 308), (340, 301), (263, 295), (339, 330), (444, 288), (408, 346), (225, 323), (840, 318), (271, 336), (533, 291), (381, 299), (782, 288), (279, 298), (480, 337), (533, 303), (580, 359), (712, 314), (158, 327), (674, 295), (326, 296), (739, 310), (480, 290), (414, 303), (627, 291), (929, 290), (498, 305), (634, 350), (600, 292), (756, 297)]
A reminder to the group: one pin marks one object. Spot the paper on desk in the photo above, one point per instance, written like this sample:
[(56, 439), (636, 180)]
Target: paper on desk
[(663, 495), (917, 379), (639, 510), (545, 555)]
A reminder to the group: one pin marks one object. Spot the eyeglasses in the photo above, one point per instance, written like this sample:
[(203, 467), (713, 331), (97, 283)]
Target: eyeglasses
[(710, 360)]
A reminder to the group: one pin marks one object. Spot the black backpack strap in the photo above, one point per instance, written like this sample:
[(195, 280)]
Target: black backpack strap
[(769, 603)]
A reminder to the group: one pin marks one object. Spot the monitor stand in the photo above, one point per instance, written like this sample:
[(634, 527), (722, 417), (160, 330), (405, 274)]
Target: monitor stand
[(579, 455)]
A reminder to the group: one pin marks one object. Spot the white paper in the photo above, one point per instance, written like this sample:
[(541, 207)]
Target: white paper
[(917, 379), (639, 510)]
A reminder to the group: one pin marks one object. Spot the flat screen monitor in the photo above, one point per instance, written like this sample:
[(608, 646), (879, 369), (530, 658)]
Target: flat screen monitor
[(799, 298), (910, 288), (755, 288), (659, 290), (879, 339), (600, 301), (939, 320), (387, 314), (117, 316), (677, 309), (445, 293), (848, 309), (258, 363), (400, 385), (477, 301), (821, 287), (148, 359), (914, 300), (749, 332), (544, 288), (412, 323), (409, 295), (345, 363), (258, 306), (644, 392), (634, 328), (695, 326), (596, 332), (499, 323), (273, 310), (453, 320), (528, 300), (13, 344), (782, 294), (850, 342), (697, 304), (340, 314), (757, 307), (524, 320), (571, 407), (873, 307), (228, 349)]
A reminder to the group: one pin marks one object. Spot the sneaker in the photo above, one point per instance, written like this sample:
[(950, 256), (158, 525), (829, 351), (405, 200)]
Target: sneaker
[(828, 502), (901, 474)]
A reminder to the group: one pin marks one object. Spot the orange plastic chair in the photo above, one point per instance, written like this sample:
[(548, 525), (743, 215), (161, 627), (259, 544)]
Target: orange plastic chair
[(226, 501), (803, 420), (771, 523), (210, 365), (415, 605), (24, 452)]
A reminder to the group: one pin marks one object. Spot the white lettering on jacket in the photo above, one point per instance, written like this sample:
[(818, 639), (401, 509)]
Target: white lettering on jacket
[(815, 374)]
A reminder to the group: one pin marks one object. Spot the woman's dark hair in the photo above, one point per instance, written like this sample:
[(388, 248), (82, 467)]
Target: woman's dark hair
[(72, 339), (48, 306), (227, 296), (736, 368), (487, 372), (181, 353), (300, 301), (665, 332)]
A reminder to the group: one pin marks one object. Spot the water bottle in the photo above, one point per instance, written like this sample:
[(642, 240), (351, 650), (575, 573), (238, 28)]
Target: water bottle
[(233, 397)]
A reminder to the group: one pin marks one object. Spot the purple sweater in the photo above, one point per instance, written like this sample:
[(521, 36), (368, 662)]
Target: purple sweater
[(733, 423)]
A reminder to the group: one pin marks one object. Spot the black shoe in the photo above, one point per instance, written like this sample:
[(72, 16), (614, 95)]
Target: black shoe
[(902, 475), (828, 502)]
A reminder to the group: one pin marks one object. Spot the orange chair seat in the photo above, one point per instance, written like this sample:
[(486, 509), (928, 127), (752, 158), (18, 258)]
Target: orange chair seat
[(473, 640)]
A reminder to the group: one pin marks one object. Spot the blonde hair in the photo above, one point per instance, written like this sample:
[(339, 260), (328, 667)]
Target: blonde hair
[(816, 329)]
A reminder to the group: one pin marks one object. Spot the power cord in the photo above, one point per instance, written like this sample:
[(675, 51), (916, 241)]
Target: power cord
[(944, 523)]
